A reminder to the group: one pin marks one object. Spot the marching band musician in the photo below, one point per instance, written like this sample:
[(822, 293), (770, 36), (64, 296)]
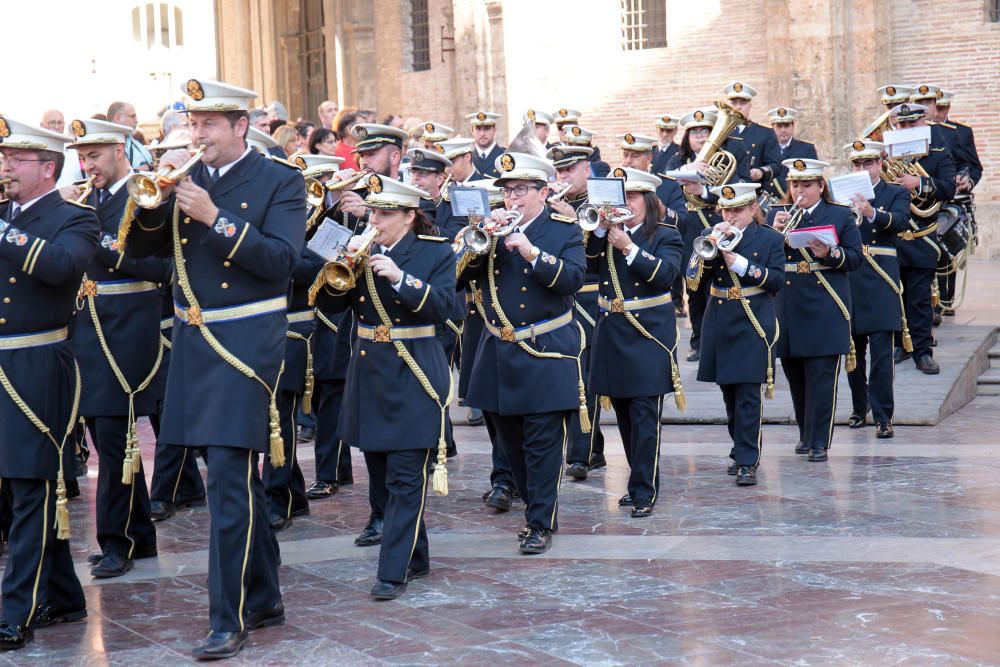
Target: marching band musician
[(427, 172), (636, 333), (235, 228), (740, 326), (918, 250), (666, 147), (484, 131), (527, 374), (116, 341), (784, 122), (542, 123), (563, 118), (637, 153), (581, 136), (814, 307), (699, 213), (966, 139), (875, 290), (435, 133), (754, 146), (45, 246), (398, 381), (893, 95), (585, 451)]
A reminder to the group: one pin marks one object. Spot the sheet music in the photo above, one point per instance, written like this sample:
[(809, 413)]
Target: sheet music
[(842, 188), (330, 236), (606, 191), (800, 238), (911, 141), (685, 175), (469, 201)]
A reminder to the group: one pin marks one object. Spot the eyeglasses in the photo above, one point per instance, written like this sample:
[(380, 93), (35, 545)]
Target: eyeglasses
[(520, 190), (16, 162), (698, 131)]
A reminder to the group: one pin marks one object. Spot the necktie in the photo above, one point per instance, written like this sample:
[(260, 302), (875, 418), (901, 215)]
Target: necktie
[(102, 196), (213, 175), (14, 212)]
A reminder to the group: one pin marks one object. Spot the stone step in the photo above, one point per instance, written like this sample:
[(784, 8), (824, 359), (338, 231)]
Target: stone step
[(993, 356), (989, 376), (988, 390)]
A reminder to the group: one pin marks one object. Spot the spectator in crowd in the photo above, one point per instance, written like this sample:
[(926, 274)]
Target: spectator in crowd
[(273, 125), (277, 111), (323, 141), (345, 148), (123, 113), (367, 116), (259, 120), (327, 112), (304, 128), (54, 120), (287, 138), (393, 120)]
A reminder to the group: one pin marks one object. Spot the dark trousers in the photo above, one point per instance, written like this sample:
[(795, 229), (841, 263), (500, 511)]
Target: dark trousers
[(6, 511), (333, 456), (639, 425), (535, 446), (946, 282), (403, 477), (813, 385), (39, 567), (875, 390), (500, 473), (584, 446), (176, 478), (123, 523), (697, 303), (744, 410), (677, 291), (378, 494), (242, 550), (917, 303), (285, 486)]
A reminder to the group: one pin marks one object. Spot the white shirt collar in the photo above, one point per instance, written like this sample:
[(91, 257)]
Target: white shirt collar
[(784, 147), (114, 188), (813, 207), (225, 168), (524, 225), (483, 152), (21, 208)]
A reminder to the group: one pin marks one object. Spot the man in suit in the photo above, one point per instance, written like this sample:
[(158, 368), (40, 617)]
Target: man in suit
[(45, 245), (484, 131), (665, 148), (783, 122), (754, 146), (235, 227)]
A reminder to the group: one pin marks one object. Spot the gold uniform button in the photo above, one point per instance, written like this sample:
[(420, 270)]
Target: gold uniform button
[(13, 280), (524, 324), (524, 289), (363, 353), (3, 320), (6, 299), (637, 284), (521, 306), (788, 282), (493, 322), (497, 272), (184, 241), (244, 205), (187, 221), (226, 264), (602, 253), (111, 269), (225, 285), (361, 298), (525, 272), (398, 320), (720, 302), (605, 282)]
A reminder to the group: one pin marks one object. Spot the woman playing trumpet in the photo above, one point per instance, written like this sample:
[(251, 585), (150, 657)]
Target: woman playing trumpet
[(398, 381), (636, 334), (740, 326)]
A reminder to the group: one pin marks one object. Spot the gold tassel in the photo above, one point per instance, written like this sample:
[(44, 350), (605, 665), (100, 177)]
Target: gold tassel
[(315, 288), (136, 452), (307, 393), (127, 472), (584, 412), (769, 390), (125, 226), (679, 398), (463, 261), (907, 341), (62, 507), (277, 444), (439, 482), (605, 402), (852, 358), (935, 295)]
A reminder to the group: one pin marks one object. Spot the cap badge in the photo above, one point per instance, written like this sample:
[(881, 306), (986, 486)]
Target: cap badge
[(439, 148), (429, 127), (576, 131), (799, 165), (194, 90), (506, 162), (563, 113), (728, 192), (531, 114), (361, 133), (904, 110), (923, 90), (620, 173), (629, 139), (557, 154), (418, 156), (300, 162), (890, 90), (782, 112), (939, 94), (738, 87), (859, 145), (480, 116), (699, 115), (375, 183), (666, 119), (4, 128), (78, 128)]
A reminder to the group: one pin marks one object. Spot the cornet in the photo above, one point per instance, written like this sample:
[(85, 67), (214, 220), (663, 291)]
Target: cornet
[(709, 246), (591, 216), (86, 187), (146, 190), (478, 235), (795, 215), (341, 272)]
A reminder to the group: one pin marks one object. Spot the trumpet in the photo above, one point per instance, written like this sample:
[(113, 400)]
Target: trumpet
[(86, 187), (341, 272), (340, 186), (561, 189), (478, 235), (146, 190), (709, 246), (591, 216), (795, 215)]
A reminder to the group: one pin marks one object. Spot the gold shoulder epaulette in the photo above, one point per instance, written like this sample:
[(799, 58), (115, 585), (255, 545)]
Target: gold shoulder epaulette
[(76, 203), (424, 237), (284, 162), (956, 122), (948, 125), (563, 218), (669, 178)]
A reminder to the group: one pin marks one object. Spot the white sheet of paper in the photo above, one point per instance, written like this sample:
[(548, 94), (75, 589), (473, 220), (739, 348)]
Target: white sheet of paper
[(606, 191), (469, 201), (800, 237), (330, 236), (842, 188), (906, 142), (685, 175)]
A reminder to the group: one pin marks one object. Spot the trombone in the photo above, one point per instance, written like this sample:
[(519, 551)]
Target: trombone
[(341, 272), (146, 190), (591, 216)]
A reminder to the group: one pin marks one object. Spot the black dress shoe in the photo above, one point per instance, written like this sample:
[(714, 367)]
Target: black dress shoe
[(160, 510), (321, 489), (642, 509), (597, 461), (927, 365), (72, 489), (265, 618), (13, 637), (523, 533), (219, 645), (476, 417), (279, 523), (883, 430), (500, 499), (899, 355), (625, 501), (112, 565), (412, 575), (577, 471), (694, 355), (306, 434), (857, 420), (301, 511), (802, 448), (817, 455), (746, 476), (95, 558), (387, 590), (537, 542), (46, 616), (732, 469), (371, 535), (143, 554), (948, 312)]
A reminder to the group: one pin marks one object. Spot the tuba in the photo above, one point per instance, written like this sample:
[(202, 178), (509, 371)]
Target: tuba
[(922, 206), (721, 163), (146, 189), (709, 246), (341, 272)]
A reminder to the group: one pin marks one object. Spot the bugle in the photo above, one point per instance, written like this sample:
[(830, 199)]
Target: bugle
[(86, 187), (591, 216), (709, 246), (341, 185), (478, 235), (146, 190), (341, 272), (794, 219)]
